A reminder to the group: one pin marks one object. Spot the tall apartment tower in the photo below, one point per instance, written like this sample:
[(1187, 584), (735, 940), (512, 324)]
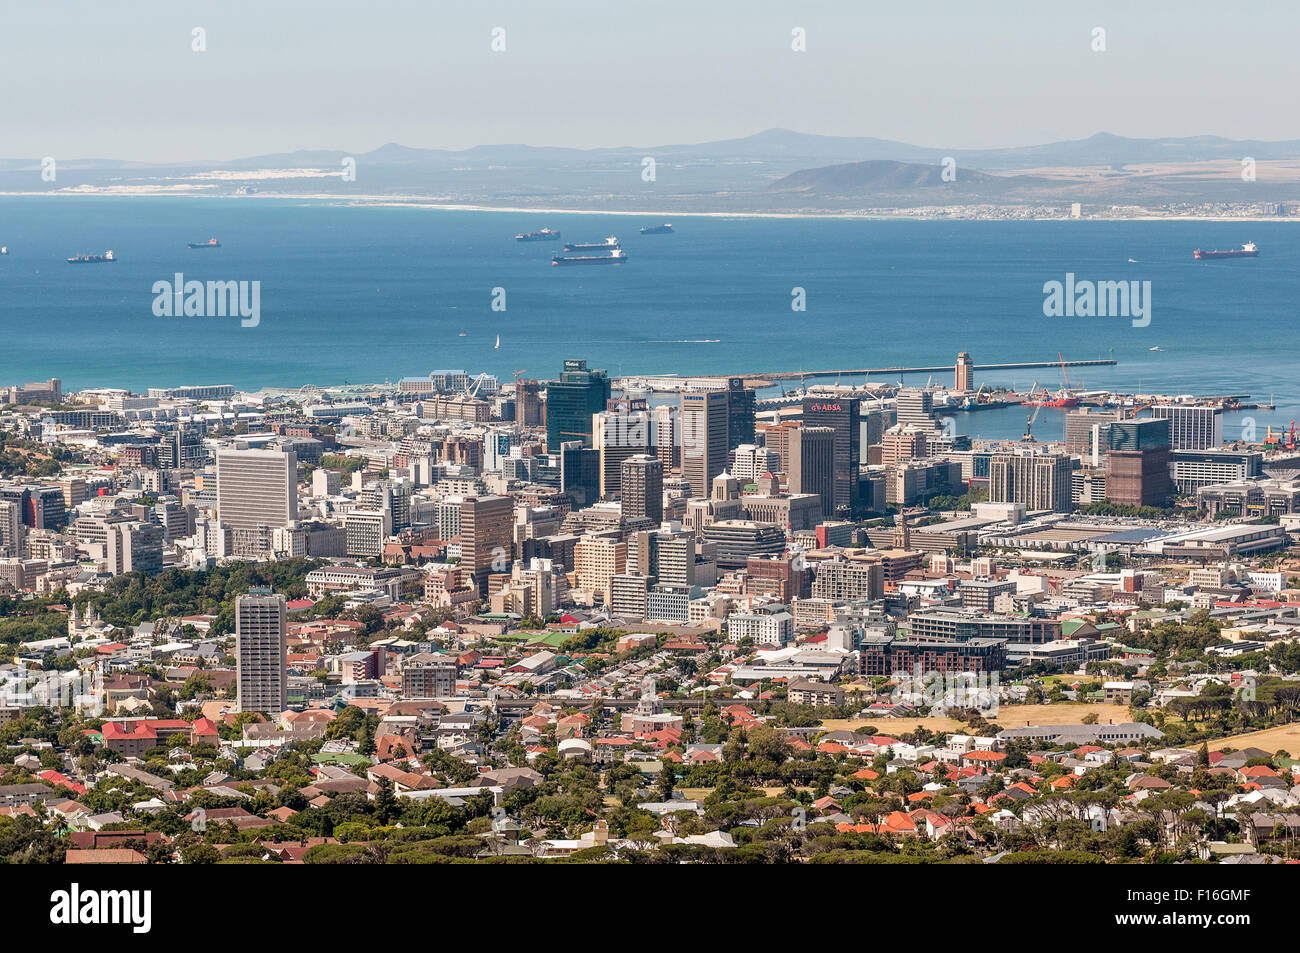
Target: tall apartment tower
[(257, 488), (261, 652), (842, 415), (11, 528), (812, 464), (704, 438), (486, 532), (570, 402), (741, 402), (1041, 481), (642, 482)]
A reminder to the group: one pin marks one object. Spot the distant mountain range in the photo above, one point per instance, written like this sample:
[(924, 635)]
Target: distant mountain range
[(887, 176), (765, 171)]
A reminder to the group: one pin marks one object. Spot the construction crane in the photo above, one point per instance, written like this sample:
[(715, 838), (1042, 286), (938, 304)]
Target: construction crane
[(1064, 372)]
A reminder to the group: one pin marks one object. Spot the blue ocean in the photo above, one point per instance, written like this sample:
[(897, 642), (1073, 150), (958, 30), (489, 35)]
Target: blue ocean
[(368, 294)]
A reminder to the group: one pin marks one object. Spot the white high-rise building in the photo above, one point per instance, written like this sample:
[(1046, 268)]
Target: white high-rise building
[(257, 488), (1192, 428), (261, 652)]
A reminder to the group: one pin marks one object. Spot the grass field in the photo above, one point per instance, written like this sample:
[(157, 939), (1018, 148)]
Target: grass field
[(699, 794), (1008, 716), (1283, 737)]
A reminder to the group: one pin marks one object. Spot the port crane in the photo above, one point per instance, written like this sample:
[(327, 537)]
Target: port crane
[(1276, 438)]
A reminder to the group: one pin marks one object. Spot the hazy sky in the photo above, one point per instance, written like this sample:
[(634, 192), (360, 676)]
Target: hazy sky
[(118, 78)]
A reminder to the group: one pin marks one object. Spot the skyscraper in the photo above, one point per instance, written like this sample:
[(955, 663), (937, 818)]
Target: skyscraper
[(841, 414), (486, 530), (261, 651), (916, 407), (622, 431), (740, 413), (1088, 429), (704, 438), (257, 488), (642, 487), (1041, 481), (571, 401), (1137, 463), (1192, 428), (812, 464), (904, 442), (528, 403), (11, 528), (668, 435)]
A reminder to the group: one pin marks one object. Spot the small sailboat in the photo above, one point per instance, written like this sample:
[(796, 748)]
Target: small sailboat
[(463, 333), (498, 344), (4, 249)]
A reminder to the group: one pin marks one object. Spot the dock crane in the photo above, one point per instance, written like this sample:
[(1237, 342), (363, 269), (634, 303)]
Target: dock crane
[(1276, 438)]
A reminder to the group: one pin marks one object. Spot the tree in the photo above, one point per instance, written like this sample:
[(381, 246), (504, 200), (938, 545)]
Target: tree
[(666, 781), (386, 806), (200, 853)]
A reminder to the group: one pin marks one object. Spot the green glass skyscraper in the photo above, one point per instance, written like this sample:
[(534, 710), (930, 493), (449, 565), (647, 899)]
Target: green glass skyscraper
[(570, 402)]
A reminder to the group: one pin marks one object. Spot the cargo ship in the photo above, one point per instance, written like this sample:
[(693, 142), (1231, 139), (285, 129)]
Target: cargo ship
[(1247, 250), (210, 243), (606, 245), (545, 235), (1044, 399), (664, 229), (616, 257), (90, 259)]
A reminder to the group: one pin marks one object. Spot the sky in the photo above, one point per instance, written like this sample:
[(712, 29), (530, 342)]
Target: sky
[(119, 78)]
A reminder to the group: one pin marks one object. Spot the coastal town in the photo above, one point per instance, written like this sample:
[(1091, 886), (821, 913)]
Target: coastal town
[(540, 620)]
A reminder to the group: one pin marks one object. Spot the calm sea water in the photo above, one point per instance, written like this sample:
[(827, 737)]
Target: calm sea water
[(367, 294)]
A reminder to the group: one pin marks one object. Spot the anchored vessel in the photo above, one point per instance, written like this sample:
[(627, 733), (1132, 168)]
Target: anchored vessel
[(545, 235), (210, 243), (616, 257), (90, 259), (664, 229), (606, 245), (1247, 250)]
